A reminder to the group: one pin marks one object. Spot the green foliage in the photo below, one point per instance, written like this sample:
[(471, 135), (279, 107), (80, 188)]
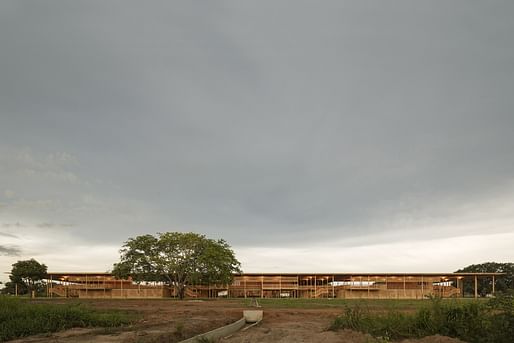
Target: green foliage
[(28, 273), (475, 322), (177, 258), (485, 285), (10, 288), (20, 318)]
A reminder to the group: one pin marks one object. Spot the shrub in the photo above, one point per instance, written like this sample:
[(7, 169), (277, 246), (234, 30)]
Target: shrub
[(20, 318), (475, 322)]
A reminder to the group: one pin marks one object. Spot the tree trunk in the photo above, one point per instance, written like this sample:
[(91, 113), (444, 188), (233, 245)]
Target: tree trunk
[(181, 291)]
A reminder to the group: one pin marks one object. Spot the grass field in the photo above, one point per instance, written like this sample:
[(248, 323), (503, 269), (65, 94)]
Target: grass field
[(22, 317)]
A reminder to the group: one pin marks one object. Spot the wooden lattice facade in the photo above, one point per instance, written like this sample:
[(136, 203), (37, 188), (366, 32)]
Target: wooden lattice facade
[(276, 285)]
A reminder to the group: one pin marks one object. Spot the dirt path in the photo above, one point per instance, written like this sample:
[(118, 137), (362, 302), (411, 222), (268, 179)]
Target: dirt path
[(172, 321)]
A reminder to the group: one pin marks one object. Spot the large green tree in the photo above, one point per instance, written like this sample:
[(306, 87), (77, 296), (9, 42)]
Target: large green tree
[(504, 283), (28, 274), (178, 259)]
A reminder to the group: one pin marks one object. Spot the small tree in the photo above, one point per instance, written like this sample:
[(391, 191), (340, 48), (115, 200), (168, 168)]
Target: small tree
[(28, 273), (178, 259)]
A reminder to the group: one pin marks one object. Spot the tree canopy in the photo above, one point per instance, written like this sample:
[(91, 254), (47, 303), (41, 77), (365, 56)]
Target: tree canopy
[(503, 283), (28, 274), (178, 259)]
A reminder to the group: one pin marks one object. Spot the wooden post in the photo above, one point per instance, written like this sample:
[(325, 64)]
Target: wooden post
[(368, 286), (280, 286), (387, 289), (333, 289), (16, 289), (297, 285), (404, 291), (422, 288), (351, 285), (244, 287), (494, 281), (315, 290), (262, 286), (476, 287)]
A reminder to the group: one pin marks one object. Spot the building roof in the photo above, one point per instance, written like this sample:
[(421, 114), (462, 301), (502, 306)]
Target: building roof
[(62, 274)]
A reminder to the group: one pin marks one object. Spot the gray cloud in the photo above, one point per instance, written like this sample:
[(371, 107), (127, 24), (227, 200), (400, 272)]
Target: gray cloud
[(53, 225), (6, 234), (12, 225), (9, 250), (267, 124)]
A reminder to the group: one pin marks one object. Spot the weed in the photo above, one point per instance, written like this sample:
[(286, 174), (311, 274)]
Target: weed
[(179, 330), (204, 340)]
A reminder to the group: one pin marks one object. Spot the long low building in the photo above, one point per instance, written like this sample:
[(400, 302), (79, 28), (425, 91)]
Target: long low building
[(278, 285)]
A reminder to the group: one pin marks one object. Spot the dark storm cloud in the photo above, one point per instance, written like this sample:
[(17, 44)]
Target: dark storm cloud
[(254, 122)]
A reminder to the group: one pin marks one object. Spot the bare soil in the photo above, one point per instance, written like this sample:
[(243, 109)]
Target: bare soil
[(172, 321)]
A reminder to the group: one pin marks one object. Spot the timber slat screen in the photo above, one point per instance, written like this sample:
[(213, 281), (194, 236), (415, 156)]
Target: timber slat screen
[(276, 285)]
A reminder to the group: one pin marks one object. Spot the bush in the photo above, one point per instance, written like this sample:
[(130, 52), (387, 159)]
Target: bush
[(475, 322), (20, 318)]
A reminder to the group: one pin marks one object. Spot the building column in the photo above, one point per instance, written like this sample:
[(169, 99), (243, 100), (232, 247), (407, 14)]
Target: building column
[(351, 285), (422, 288), (297, 286), (368, 286), (476, 287)]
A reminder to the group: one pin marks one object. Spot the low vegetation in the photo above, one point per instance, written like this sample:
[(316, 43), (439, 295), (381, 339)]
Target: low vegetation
[(474, 322), (401, 305), (21, 317)]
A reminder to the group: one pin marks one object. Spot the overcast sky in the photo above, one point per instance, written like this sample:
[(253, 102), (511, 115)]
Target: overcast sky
[(311, 135)]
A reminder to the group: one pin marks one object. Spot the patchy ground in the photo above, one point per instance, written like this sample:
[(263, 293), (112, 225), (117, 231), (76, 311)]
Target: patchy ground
[(172, 321), (291, 326)]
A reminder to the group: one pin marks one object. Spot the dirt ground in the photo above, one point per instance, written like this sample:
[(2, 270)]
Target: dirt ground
[(172, 321)]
